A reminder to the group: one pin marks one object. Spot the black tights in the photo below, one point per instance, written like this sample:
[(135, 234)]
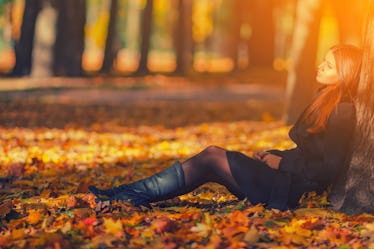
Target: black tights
[(210, 165)]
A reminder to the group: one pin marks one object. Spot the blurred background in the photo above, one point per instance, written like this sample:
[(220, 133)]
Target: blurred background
[(42, 38)]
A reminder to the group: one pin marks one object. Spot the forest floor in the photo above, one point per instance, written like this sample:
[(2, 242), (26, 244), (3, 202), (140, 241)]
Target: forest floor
[(60, 135)]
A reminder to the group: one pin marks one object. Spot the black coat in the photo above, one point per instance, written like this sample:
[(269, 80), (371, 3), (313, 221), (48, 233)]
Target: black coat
[(316, 161)]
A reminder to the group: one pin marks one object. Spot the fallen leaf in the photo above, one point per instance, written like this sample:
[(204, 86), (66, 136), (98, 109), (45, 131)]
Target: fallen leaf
[(113, 227), (163, 224), (18, 234), (34, 217), (5, 208), (201, 229), (252, 236)]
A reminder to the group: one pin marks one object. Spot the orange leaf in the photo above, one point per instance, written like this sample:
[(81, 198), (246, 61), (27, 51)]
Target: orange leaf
[(234, 230), (163, 225), (33, 217), (18, 234)]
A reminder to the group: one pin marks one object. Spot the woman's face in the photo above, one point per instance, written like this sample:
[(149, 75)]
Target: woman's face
[(327, 73)]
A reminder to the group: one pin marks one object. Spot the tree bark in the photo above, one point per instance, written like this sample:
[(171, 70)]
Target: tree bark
[(350, 26), (44, 40), (354, 192), (261, 44), (146, 38), (301, 76), (69, 44), (235, 32), (110, 48), (183, 38), (24, 46)]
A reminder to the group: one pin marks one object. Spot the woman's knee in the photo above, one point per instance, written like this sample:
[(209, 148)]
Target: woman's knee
[(213, 150)]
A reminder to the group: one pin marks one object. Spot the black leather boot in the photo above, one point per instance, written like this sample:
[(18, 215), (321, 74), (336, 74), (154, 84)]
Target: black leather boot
[(161, 186)]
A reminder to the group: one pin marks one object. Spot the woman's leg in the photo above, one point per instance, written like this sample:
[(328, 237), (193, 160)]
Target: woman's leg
[(210, 165)]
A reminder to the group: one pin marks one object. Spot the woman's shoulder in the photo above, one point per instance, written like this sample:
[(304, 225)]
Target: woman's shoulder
[(347, 108), (344, 111)]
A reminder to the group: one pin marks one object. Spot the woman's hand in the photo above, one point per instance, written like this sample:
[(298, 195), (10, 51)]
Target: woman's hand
[(271, 160), (259, 155)]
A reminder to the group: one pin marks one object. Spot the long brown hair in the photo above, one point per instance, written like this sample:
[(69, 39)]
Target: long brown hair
[(348, 66)]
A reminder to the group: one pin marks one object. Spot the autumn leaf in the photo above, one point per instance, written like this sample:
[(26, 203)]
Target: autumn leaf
[(163, 224), (311, 212), (113, 227), (90, 221), (252, 235), (5, 208), (55, 167), (34, 217), (18, 233), (201, 229), (104, 239)]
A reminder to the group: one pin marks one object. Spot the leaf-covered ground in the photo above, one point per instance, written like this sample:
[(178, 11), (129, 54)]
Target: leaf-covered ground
[(46, 167), (46, 203)]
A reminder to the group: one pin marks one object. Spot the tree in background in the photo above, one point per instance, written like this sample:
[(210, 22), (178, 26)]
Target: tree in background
[(24, 46), (70, 37), (183, 38), (236, 22), (111, 48), (301, 78), (261, 43), (44, 40), (146, 30), (354, 191), (69, 42)]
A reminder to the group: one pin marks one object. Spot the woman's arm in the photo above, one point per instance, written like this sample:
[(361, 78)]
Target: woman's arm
[(271, 160), (336, 143)]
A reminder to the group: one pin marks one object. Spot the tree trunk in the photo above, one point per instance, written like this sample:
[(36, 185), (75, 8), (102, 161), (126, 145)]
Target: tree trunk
[(44, 40), (110, 48), (146, 38), (350, 26), (23, 47), (354, 191), (69, 44), (236, 20), (261, 44), (183, 38), (301, 77)]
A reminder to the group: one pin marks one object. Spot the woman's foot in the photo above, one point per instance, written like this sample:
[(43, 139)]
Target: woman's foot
[(161, 186), (110, 192), (103, 192), (126, 194)]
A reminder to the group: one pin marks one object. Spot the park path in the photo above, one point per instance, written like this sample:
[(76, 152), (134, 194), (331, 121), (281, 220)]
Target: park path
[(151, 100), (113, 91)]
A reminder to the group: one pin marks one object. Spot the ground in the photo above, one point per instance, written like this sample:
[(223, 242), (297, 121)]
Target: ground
[(60, 135)]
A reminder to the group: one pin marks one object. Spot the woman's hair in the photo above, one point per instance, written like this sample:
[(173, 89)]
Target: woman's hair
[(348, 66)]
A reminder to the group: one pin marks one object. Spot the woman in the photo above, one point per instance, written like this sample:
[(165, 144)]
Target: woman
[(275, 178)]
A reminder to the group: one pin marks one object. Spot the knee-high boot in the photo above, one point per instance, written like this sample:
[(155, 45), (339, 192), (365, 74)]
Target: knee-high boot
[(161, 186)]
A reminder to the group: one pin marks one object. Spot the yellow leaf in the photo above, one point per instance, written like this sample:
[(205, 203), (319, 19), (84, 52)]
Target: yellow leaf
[(113, 226), (201, 229), (255, 209), (66, 228), (311, 212), (251, 236), (135, 219)]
